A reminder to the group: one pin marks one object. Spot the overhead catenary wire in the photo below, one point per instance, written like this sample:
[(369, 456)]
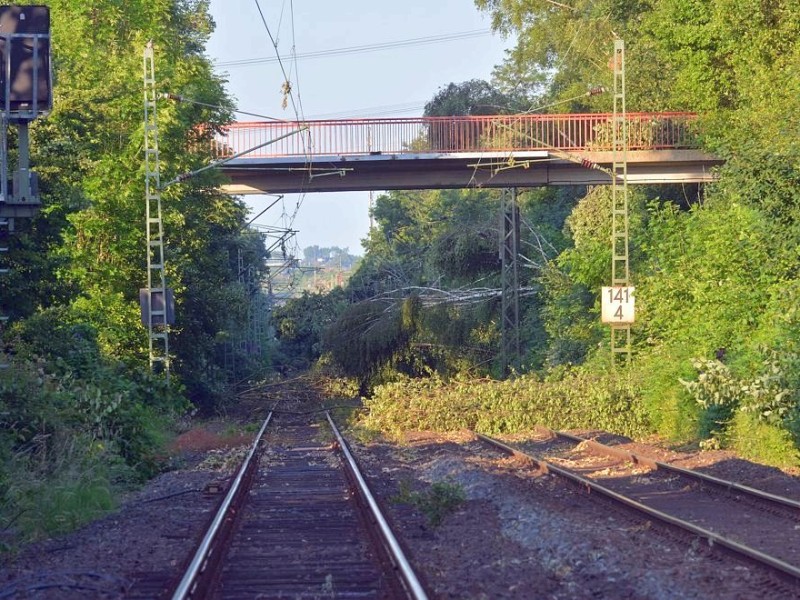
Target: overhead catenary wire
[(279, 58), (363, 49), (561, 5), (185, 176), (278, 199), (179, 98), (300, 103), (288, 91), (509, 159), (593, 91), (373, 111), (280, 21), (295, 56), (294, 59)]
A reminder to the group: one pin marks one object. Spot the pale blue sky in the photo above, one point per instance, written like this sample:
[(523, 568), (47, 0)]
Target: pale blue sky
[(350, 83)]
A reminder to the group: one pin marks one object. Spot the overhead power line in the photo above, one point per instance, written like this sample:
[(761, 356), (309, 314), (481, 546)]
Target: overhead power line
[(279, 59), (420, 41), (374, 111)]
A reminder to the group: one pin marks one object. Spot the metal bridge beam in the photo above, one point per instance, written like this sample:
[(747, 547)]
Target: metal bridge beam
[(407, 172)]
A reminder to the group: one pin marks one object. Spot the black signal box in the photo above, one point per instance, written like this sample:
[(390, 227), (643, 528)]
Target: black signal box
[(25, 19), (25, 73), (164, 306)]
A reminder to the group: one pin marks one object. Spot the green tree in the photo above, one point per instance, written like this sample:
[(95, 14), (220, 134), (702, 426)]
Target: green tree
[(90, 235), (473, 97)]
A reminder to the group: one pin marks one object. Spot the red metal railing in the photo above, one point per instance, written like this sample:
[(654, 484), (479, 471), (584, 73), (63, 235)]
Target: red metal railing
[(501, 133)]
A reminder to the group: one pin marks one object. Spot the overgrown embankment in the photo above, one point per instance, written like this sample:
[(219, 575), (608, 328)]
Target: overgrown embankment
[(73, 439), (715, 267), (578, 400), (756, 418)]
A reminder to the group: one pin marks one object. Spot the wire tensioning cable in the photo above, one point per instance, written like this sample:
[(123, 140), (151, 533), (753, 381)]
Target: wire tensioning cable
[(272, 39), (178, 98)]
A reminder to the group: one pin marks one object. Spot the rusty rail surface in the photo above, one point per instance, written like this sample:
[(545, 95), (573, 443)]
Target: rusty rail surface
[(784, 569), (496, 133), (724, 484), (410, 580), (200, 568), (295, 523)]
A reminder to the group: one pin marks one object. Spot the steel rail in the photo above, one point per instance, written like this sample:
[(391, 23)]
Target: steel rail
[(689, 473), (778, 565), (413, 584), (187, 585)]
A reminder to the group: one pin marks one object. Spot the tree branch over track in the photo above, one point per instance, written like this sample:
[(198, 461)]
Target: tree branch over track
[(432, 296)]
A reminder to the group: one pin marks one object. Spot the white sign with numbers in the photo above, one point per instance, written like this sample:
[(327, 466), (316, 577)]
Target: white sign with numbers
[(618, 305)]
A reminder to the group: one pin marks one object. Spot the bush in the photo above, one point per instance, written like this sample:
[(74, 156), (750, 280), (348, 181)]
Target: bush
[(73, 434), (670, 410), (55, 334), (758, 416), (757, 440), (574, 400)]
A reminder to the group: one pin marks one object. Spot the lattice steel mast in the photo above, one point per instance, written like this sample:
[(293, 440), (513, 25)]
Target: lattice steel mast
[(509, 258), (620, 264), (156, 292)]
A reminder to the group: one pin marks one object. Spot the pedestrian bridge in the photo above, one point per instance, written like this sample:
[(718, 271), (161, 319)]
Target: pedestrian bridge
[(497, 151)]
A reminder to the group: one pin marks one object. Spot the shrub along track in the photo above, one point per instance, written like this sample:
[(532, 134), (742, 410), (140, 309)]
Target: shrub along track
[(298, 521), (757, 526)]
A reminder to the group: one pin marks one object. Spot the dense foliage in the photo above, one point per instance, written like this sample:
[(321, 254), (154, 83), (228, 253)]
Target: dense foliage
[(715, 268), (578, 400), (418, 324), (299, 327), (80, 416)]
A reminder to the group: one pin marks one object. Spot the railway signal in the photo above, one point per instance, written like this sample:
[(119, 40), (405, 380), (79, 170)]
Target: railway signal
[(26, 83)]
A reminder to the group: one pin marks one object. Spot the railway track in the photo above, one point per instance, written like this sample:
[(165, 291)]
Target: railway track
[(298, 521), (757, 526)]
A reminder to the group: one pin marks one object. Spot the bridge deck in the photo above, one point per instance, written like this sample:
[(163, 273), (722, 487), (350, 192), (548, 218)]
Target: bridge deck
[(456, 152)]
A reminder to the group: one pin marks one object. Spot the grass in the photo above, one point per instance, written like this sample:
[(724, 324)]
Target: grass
[(66, 503), (62, 484), (439, 500)]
